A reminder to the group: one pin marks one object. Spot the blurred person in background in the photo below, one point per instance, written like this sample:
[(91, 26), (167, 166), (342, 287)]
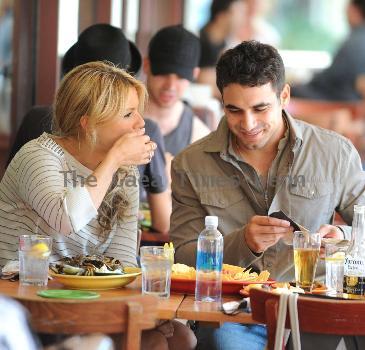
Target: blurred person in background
[(101, 42), (6, 35), (171, 64), (338, 82), (225, 18), (254, 25)]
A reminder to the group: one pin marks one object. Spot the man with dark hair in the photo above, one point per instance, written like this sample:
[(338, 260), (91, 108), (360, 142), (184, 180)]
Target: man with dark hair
[(267, 67), (338, 82), (260, 160)]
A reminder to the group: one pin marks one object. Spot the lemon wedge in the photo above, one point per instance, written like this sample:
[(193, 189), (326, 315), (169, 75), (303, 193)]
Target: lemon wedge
[(338, 256), (169, 251), (40, 250)]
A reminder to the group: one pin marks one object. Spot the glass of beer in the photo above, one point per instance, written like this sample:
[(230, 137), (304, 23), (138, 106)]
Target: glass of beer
[(306, 252)]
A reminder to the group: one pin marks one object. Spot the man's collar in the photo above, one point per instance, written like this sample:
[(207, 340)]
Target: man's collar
[(295, 132), (219, 139)]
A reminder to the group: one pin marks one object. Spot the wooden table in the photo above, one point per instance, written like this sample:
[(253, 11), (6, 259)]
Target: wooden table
[(177, 306), (209, 312), (167, 308)]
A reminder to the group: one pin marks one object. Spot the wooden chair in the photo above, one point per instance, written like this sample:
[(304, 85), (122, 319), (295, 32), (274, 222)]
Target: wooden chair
[(129, 315), (346, 118), (306, 107), (316, 315)]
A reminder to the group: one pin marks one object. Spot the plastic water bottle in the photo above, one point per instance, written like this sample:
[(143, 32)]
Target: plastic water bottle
[(209, 261)]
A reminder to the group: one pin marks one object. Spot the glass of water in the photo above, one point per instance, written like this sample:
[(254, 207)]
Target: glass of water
[(156, 271), (34, 252), (335, 258)]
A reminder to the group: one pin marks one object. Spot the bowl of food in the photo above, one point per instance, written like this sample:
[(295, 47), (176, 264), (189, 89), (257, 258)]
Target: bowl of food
[(92, 272), (234, 278)]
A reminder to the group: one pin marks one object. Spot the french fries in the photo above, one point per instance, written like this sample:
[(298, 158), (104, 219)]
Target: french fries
[(229, 273), (182, 271)]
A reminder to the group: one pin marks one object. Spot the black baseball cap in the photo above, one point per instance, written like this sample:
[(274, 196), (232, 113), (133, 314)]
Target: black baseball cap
[(103, 42), (174, 50)]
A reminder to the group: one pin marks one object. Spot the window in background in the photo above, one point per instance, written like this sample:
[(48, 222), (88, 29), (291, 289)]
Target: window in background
[(132, 19), (310, 24), (116, 15), (196, 14), (6, 38), (311, 32), (307, 32), (68, 21)]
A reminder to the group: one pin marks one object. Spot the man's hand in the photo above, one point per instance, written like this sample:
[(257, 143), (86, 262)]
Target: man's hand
[(330, 231), (262, 232)]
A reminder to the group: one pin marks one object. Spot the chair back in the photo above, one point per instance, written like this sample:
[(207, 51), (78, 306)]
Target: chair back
[(128, 315), (305, 107), (346, 118), (316, 315)]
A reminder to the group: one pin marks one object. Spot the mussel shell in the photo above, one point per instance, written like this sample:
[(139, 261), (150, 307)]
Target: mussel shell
[(72, 270)]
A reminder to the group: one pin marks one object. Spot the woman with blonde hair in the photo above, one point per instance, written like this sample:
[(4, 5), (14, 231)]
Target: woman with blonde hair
[(80, 184)]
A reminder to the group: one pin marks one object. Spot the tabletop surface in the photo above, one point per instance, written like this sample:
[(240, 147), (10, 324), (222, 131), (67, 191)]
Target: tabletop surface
[(167, 308), (177, 306), (210, 312)]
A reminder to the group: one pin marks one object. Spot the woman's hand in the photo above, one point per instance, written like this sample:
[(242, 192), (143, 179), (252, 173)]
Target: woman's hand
[(133, 148)]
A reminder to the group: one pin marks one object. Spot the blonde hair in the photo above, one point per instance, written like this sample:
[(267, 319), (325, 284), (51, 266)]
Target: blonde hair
[(98, 90)]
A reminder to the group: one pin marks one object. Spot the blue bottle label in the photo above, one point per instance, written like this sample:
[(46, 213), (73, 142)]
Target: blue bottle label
[(209, 261)]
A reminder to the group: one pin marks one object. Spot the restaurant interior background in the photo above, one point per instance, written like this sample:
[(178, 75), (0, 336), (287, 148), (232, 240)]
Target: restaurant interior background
[(35, 34)]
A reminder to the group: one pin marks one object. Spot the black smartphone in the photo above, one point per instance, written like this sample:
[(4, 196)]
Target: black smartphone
[(281, 215)]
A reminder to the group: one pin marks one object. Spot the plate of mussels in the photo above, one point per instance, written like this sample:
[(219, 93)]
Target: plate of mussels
[(92, 272)]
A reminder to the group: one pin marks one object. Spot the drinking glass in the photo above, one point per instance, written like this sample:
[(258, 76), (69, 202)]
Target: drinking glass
[(34, 252), (156, 271), (335, 259), (306, 251)]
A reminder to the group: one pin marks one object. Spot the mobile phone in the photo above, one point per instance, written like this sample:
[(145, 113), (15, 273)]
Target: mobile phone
[(281, 215)]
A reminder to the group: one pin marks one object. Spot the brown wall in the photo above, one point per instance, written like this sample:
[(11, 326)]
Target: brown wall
[(155, 14)]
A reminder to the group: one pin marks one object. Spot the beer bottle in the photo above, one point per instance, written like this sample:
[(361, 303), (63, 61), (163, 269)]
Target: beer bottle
[(354, 268)]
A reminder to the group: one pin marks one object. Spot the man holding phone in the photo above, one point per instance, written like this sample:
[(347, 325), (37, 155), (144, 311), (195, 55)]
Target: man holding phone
[(260, 160)]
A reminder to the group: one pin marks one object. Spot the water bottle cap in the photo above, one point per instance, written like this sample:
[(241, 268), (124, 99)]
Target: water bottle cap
[(211, 221)]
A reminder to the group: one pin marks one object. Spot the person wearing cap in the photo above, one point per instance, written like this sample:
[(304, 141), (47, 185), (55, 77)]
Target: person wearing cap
[(172, 63), (101, 42)]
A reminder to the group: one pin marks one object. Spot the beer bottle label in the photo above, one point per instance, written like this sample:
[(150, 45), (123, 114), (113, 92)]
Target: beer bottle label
[(354, 285), (354, 276), (354, 266)]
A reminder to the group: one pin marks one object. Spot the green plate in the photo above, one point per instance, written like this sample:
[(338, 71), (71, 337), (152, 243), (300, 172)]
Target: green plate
[(67, 294)]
